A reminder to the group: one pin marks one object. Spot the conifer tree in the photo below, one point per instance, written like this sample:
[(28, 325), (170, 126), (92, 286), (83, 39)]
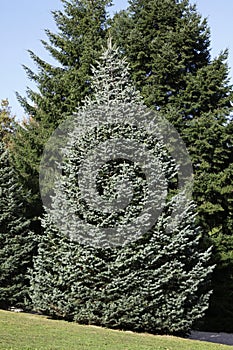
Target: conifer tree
[(7, 122), (168, 47), (16, 241), (155, 282), (26, 145), (81, 29)]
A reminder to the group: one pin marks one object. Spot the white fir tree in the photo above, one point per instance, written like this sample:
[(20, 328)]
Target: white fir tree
[(120, 249)]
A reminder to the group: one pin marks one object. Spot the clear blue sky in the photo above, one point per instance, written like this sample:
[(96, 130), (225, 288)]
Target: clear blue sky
[(22, 27)]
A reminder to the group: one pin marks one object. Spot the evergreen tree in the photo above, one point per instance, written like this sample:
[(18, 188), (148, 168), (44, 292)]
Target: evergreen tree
[(16, 241), (7, 123), (27, 143), (168, 47), (155, 281), (159, 283), (81, 30)]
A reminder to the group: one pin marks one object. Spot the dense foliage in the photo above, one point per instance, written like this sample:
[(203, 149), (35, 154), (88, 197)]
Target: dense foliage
[(7, 123), (168, 46), (156, 282), (16, 241), (81, 32)]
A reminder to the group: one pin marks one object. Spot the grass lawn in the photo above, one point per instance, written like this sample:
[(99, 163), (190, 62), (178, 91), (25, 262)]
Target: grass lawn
[(20, 331)]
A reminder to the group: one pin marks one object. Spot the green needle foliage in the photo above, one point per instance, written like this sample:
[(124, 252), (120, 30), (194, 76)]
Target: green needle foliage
[(81, 31), (168, 47), (16, 241), (7, 123), (158, 282)]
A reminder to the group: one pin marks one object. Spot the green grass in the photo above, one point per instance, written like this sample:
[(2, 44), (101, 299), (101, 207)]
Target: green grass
[(32, 332)]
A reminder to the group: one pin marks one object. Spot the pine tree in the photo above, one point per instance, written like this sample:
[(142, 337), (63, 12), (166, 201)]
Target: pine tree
[(81, 29), (16, 241), (168, 47), (93, 265)]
